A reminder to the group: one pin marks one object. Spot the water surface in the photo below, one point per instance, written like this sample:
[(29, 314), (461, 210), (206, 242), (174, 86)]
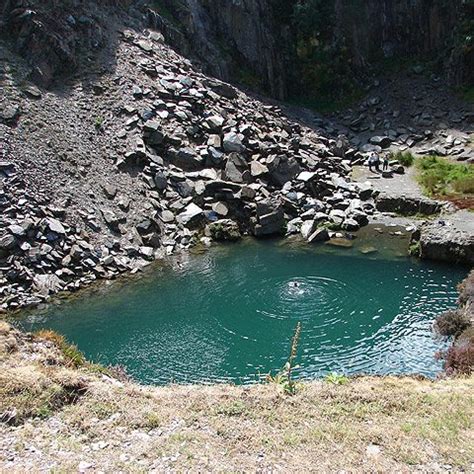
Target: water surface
[(229, 313)]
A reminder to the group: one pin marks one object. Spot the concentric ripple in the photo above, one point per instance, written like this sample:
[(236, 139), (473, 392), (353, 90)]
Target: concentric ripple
[(229, 314)]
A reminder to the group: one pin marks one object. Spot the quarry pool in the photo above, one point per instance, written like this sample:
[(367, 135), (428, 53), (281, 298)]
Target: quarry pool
[(227, 314)]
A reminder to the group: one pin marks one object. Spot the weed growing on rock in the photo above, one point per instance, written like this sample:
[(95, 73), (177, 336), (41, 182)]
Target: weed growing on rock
[(452, 323)]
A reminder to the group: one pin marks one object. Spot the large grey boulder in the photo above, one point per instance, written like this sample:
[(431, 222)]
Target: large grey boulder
[(308, 228), (407, 205), (236, 169), (283, 169), (186, 159), (319, 235), (270, 219), (439, 240), (152, 134)]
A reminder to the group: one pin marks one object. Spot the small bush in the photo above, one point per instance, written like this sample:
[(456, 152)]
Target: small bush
[(464, 185), (452, 323), (459, 359), (99, 122), (404, 158), (234, 408)]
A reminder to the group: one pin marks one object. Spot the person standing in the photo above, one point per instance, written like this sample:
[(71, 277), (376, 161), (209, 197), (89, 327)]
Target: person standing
[(371, 161), (385, 162), (377, 162)]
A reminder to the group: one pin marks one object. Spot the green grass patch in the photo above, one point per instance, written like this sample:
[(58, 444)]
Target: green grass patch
[(404, 158), (440, 177)]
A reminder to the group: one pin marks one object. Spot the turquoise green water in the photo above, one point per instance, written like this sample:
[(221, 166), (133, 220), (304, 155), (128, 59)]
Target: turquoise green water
[(228, 315)]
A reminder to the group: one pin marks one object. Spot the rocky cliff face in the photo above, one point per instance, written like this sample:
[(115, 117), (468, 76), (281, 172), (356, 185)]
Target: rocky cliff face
[(250, 42), (245, 41), (237, 41), (378, 29)]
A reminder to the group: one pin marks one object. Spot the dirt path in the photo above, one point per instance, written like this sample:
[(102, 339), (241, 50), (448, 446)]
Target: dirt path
[(400, 184)]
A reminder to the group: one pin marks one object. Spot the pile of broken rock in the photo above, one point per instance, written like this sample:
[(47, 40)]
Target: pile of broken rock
[(210, 163)]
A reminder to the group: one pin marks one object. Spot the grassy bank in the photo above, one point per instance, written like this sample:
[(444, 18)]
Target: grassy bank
[(361, 424), (441, 177)]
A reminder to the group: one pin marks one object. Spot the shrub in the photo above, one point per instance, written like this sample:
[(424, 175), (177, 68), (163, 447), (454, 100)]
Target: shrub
[(404, 158), (459, 359), (466, 289), (464, 185), (452, 323)]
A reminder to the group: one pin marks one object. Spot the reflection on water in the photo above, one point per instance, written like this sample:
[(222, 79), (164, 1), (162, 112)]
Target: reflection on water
[(228, 314)]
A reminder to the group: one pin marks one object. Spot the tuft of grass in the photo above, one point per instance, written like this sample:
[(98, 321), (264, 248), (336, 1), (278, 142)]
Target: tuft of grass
[(404, 158), (415, 249), (336, 379), (440, 177), (234, 408), (99, 122), (74, 357)]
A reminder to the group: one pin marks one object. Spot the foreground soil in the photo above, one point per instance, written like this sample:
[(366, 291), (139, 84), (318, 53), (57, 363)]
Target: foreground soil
[(59, 418)]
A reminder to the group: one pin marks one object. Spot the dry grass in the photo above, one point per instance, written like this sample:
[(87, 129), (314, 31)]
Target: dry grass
[(367, 424)]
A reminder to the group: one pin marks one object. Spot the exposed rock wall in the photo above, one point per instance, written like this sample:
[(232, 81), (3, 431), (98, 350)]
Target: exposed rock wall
[(237, 41), (377, 29), (243, 41)]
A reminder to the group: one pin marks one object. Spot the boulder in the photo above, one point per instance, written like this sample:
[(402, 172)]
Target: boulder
[(270, 219), (381, 141), (283, 169), (407, 205), (186, 159), (55, 226), (258, 169), (308, 228), (236, 169), (319, 235), (191, 217), (152, 135), (8, 242)]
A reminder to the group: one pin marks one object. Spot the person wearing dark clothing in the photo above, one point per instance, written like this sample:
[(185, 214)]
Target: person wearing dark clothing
[(385, 162), (377, 162)]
